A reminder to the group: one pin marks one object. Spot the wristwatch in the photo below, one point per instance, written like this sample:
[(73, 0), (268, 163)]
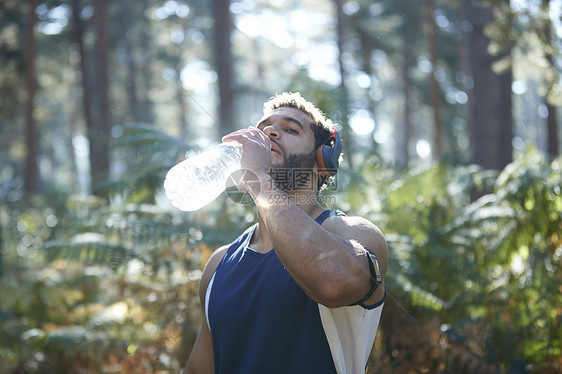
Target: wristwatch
[(376, 278), (374, 269)]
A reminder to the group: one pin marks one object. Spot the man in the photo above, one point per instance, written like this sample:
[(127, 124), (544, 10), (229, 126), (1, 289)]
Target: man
[(301, 291)]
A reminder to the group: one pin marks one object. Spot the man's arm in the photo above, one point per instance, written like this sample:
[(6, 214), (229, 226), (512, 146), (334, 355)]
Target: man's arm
[(370, 238), (329, 262), (201, 360)]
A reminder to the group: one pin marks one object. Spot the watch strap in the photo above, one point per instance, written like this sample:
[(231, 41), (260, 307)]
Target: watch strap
[(376, 280)]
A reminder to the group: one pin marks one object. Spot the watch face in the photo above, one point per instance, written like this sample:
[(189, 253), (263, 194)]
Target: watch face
[(375, 266)]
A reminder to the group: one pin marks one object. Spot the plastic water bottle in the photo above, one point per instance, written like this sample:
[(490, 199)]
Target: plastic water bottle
[(200, 179)]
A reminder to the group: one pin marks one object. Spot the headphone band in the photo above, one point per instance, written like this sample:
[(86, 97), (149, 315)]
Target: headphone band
[(337, 144)]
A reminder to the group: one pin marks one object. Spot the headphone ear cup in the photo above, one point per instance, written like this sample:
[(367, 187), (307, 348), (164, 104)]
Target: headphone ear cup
[(320, 160), (324, 156), (328, 157)]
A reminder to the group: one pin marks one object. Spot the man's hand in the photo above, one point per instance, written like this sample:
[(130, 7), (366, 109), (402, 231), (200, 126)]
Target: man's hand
[(257, 149), (256, 157)]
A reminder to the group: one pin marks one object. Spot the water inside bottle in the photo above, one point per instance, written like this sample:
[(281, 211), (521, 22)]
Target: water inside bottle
[(198, 180)]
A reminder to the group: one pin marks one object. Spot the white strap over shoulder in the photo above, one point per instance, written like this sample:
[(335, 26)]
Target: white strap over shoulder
[(351, 332)]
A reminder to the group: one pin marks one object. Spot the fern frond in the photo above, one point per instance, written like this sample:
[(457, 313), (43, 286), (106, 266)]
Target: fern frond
[(137, 134), (419, 296), (91, 247)]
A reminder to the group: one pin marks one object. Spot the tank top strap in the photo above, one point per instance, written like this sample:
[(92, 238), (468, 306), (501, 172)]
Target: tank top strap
[(328, 213), (242, 241)]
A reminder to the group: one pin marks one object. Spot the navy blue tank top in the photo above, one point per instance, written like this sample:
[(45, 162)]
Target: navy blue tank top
[(261, 321)]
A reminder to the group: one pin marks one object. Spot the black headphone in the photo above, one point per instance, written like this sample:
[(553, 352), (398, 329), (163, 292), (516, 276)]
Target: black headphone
[(328, 157)]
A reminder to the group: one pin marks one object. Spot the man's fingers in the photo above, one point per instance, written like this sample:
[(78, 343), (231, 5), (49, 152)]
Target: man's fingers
[(248, 135)]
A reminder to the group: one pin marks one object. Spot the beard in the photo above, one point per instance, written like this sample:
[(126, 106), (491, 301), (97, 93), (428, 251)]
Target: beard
[(295, 172)]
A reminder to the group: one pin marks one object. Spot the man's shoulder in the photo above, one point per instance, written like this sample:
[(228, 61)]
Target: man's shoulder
[(211, 266), (344, 223), (217, 256), (361, 230), (215, 259)]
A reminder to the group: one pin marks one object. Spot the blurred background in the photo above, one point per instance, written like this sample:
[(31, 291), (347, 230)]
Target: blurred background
[(449, 115)]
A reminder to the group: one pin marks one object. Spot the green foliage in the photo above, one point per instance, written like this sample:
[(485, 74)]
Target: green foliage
[(111, 286), (532, 249), (91, 284), (119, 281), (149, 153), (492, 264)]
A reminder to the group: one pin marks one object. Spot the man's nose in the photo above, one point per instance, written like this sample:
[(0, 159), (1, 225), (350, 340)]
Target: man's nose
[(272, 132)]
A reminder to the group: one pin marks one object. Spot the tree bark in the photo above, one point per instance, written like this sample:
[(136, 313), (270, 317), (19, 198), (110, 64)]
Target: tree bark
[(99, 133), (182, 102), (490, 105), (505, 118), (131, 88), (505, 105), (552, 130), (346, 133), (224, 63), (463, 48), (145, 65), (430, 29), (403, 149), (31, 132), (367, 47), (484, 97), (552, 117), (1, 252), (78, 36)]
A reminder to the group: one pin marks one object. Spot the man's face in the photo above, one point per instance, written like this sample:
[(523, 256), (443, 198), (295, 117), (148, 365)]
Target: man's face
[(293, 145)]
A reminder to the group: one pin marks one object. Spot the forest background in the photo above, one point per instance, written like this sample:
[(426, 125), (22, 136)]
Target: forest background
[(449, 115)]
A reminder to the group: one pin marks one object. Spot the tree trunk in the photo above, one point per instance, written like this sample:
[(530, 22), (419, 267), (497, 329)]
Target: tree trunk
[(1, 252), (505, 118), (491, 126), (346, 133), (552, 130), (78, 36), (504, 111), (403, 139), (366, 53), (145, 65), (463, 48), (131, 88), (552, 118), (430, 30), (224, 63), (182, 103), (99, 133), (260, 70), (484, 97), (31, 132)]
